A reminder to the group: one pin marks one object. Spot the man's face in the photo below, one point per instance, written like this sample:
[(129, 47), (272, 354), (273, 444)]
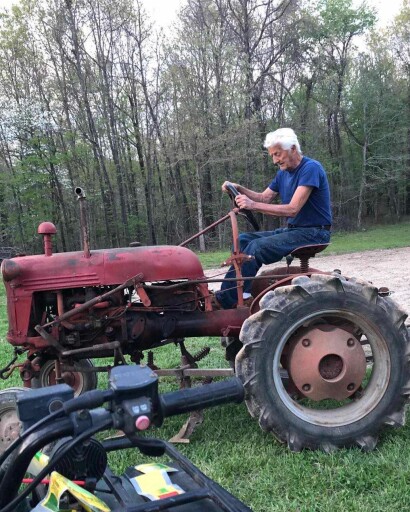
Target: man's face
[(284, 158)]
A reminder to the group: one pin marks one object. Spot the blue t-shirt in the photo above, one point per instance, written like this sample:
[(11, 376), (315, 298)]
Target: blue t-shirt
[(310, 173)]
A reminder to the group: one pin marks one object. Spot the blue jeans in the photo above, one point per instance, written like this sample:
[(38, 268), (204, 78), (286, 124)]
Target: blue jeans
[(267, 247)]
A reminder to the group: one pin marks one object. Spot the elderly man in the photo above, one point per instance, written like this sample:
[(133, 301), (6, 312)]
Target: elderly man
[(303, 188)]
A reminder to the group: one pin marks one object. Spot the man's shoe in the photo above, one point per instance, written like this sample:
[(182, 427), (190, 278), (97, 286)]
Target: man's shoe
[(247, 302)]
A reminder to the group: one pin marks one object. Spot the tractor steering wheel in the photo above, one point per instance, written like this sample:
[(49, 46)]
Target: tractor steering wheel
[(250, 217)]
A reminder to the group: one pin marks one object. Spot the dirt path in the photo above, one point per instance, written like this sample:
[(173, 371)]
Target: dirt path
[(389, 267)]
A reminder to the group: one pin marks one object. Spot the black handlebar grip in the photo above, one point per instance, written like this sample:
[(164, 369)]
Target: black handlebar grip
[(208, 395)]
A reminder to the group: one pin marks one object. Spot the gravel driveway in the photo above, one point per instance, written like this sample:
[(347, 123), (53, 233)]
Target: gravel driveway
[(387, 267)]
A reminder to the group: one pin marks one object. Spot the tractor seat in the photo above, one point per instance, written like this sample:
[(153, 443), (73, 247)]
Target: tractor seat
[(308, 251), (304, 253)]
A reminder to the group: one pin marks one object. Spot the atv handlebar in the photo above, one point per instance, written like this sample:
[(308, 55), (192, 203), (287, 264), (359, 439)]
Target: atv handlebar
[(133, 404), (210, 395)]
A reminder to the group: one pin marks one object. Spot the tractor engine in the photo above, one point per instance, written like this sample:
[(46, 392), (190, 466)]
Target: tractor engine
[(90, 304)]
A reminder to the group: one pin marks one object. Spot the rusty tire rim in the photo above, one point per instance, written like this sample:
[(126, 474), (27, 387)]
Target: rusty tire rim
[(74, 379), (326, 362), (334, 372)]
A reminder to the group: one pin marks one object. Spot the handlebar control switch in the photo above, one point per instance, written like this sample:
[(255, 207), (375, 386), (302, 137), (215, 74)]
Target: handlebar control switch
[(135, 413), (135, 399)]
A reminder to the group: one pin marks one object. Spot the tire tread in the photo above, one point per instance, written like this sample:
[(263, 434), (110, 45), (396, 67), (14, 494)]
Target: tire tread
[(274, 307)]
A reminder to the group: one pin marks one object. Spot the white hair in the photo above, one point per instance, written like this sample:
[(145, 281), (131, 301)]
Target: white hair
[(284, 137)]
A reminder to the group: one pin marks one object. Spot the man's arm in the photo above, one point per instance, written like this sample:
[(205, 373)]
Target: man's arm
[(299, 198), (259, 197)]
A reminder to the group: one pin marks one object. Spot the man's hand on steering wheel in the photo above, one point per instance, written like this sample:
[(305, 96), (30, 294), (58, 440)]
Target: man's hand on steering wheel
[(242, 201)]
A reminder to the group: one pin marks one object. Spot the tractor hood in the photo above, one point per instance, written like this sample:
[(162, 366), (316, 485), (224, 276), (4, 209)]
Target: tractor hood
[(103, 268)]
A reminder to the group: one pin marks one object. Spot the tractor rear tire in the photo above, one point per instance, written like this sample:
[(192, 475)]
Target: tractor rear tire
[(80, 381), (332, 306)]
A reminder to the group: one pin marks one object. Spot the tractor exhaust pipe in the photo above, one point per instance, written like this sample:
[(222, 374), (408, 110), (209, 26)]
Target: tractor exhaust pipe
[(83, 221)]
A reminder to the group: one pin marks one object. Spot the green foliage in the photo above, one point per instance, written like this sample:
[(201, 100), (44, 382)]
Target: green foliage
[(341, 20), (90, 97)]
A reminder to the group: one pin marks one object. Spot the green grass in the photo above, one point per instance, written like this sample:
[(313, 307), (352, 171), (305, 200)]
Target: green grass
[(378, 237), (230, 447)]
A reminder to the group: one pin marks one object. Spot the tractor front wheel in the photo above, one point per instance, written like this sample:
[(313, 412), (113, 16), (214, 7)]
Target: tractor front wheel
[(80, 380), (325, 363)]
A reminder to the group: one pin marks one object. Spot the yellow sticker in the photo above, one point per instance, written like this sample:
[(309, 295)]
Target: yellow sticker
[(155, 485), (155, 466), (58, 486)]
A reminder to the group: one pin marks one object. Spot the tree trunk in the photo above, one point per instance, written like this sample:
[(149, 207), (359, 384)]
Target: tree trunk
[(200, 214)]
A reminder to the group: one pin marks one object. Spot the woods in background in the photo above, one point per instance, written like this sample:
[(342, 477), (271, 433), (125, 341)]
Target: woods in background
[(150, 124)]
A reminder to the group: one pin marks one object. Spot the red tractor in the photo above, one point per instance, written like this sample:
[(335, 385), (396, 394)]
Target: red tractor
[(323, 358)]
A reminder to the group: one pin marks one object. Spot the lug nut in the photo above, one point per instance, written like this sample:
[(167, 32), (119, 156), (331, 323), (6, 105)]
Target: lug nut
[(350, 386), (350, 342), (306, 387), (306, 342)]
